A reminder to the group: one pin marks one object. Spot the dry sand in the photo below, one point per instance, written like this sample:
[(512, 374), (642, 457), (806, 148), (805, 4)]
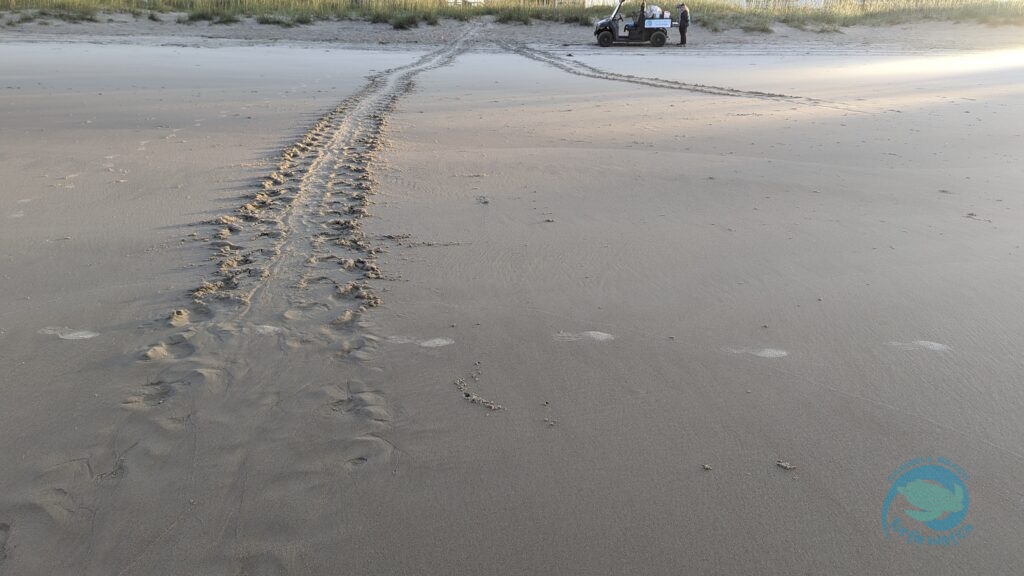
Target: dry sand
[(510, 307)]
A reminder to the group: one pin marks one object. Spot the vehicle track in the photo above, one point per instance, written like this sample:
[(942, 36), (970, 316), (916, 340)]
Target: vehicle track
[(587, 71)]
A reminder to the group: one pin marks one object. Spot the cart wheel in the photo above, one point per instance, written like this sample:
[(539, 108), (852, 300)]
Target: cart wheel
[(658, 39), (604, 39)]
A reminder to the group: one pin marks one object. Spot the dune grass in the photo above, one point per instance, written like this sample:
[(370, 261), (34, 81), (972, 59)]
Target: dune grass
[(716, 15), (400, 13)]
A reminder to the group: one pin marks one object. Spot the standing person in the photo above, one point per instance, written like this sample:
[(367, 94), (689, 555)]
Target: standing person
[(684, 22)]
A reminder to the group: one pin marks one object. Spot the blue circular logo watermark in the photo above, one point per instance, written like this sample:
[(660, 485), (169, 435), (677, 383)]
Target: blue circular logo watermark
[(927, 503)]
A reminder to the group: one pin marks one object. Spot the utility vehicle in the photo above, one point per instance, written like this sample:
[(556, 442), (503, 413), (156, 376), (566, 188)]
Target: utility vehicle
[(645, 26)]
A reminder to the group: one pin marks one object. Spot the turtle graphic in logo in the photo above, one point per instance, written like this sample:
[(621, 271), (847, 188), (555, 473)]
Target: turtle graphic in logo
[(932, 496), (933, 499)]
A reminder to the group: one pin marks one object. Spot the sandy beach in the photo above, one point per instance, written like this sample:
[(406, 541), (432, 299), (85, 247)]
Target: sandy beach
[(489, 299)]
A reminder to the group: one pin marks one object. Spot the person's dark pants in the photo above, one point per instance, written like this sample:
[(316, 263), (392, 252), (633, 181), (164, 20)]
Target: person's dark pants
[(682, 34)]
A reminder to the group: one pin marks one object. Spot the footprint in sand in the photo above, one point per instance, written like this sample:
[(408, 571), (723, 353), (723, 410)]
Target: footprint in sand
[(761, 352), (152, 394), (177, 346), (18, 214), (65, 333), (587, 335), (359, 401), (921, 345)]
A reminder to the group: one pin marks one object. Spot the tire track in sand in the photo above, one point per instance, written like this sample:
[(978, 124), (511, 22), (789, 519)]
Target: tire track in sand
[(587, 71), (261, 409)]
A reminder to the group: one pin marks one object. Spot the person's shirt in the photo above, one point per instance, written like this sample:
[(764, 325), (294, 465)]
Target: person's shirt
[(684, 16)]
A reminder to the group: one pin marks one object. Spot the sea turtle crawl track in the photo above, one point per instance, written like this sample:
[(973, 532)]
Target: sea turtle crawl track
[(587, 71), (258, 390), (307, 216)]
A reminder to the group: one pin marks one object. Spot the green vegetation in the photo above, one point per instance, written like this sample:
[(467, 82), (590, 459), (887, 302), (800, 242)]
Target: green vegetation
[(211, 15), (404, 20), (757, 25), (716, 15), (282, 21), (399, 13), (513, 16)]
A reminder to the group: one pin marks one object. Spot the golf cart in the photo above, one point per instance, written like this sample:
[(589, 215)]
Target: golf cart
[(649, 24)]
